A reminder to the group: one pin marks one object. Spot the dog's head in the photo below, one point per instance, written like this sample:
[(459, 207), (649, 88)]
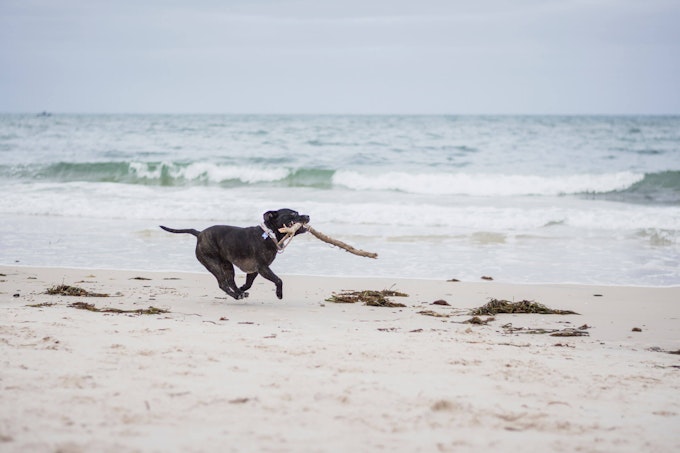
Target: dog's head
[(284, 218)]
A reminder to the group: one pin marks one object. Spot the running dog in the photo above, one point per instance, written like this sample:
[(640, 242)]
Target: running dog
[(253, 249)]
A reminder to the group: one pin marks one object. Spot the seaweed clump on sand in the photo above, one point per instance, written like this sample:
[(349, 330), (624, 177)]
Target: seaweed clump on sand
[(67, 290), (140, 311), (368, 297), (495, 306)]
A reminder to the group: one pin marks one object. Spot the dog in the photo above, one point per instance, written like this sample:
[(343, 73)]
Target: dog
[(251, 249)]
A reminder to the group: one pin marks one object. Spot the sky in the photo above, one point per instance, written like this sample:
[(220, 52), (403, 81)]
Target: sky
[(341, 56)]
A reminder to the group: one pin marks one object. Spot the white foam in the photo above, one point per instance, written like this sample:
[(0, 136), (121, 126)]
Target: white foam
[(349, 210), (458, 235), (430, 218), (221, 173), (486, 184), (144, 170)]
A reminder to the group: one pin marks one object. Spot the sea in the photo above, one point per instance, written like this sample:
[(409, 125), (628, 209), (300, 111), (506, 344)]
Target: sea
[(521, 199)]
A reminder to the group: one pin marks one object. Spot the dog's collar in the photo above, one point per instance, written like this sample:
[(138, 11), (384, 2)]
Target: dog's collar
[(268, 233), (283, 243)]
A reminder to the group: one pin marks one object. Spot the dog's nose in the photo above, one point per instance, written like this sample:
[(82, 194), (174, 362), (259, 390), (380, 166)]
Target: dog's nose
[(305, 218)]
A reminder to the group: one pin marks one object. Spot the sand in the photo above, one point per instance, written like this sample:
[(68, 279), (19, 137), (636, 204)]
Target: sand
[(304, 374)]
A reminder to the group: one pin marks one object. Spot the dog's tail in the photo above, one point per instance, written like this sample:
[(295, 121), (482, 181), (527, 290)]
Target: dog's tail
[(172, 230)]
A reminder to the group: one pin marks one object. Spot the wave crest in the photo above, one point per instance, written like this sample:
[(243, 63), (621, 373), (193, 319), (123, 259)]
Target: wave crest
[(173, 173), (486, 184), (626, 186), (662, 187)]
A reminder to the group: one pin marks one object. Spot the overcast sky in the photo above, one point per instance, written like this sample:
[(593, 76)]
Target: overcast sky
[(340, 56)]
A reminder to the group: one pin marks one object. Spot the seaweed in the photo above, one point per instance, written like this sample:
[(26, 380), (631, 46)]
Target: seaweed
[(140, 311), (66, 290), (368, 297), (495, 306), (44, 304), (570, 333), (658, 349)]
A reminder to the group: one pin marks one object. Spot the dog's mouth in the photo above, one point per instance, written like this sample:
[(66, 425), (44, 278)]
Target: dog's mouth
[(303, 220), (298, 225)]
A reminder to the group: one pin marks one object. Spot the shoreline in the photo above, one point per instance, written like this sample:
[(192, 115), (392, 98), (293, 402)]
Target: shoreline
[(307, 374), (240, 276)]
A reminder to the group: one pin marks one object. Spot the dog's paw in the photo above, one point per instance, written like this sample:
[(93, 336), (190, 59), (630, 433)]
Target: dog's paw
[(244, 295)]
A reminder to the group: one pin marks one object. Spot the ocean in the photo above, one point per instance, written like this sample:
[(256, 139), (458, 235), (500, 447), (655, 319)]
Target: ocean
[(524, 199)]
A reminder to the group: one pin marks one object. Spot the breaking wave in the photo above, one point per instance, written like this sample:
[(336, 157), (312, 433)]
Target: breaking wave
[(661, 187)]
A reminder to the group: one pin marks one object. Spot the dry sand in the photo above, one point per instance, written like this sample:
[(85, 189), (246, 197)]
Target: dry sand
[(302, 374)]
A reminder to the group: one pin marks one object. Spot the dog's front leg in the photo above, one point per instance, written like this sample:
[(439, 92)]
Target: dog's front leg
[(249, 282), (267, 273)]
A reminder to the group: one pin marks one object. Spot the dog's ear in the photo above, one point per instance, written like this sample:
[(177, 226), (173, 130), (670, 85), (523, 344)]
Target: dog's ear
[(269, 215)]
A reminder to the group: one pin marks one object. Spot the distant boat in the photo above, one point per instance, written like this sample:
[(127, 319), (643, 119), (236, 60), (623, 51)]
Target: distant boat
[(44, 114)]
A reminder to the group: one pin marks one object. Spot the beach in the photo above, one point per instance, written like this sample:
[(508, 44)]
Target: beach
[(307, 374), (505, 178)]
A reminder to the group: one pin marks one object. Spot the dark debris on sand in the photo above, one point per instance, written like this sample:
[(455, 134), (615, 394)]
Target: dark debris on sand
[(495, 306), (67, 290), (140, 311), (368, 297)]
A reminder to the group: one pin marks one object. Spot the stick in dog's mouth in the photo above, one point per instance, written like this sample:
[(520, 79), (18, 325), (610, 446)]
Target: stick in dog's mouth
[(293, 228)]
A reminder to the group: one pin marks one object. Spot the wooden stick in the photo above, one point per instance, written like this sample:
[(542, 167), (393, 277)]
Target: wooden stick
[(340, 244), (288, 238)]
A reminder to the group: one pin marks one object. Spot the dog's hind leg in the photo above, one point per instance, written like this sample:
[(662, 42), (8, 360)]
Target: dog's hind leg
[(229, 284), (224, 273)]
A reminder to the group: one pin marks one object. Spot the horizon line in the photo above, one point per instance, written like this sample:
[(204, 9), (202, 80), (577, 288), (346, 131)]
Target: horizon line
[(54, 112)]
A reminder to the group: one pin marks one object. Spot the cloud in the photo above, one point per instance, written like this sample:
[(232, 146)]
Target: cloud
[(432, 56)]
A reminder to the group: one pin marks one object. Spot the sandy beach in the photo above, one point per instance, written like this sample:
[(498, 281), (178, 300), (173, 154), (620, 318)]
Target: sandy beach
[(306, 374)]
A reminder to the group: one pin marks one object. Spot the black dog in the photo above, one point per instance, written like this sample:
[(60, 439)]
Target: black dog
[(252, 249)]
